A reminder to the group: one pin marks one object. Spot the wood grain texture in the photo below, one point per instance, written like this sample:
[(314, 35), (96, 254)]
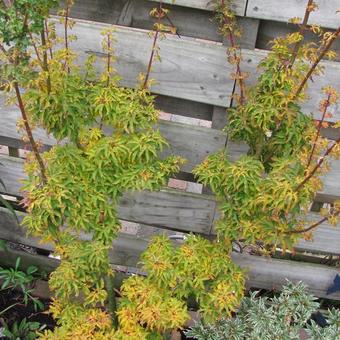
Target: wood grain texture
[(191, 69), (184, 107), (207, 5), (273, 274), (118, 12), (283, 10), (167, 208), (175, 210), (189, 21)]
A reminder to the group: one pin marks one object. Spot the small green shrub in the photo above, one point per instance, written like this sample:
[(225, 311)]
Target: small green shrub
[(280, 317)]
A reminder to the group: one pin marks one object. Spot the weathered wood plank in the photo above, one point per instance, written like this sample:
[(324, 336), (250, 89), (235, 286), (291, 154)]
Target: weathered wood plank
[(178, 75), (190, 69), (193, 22), (273, 274), (45, 264), (283, 10), (176, 210), (193, 143), (262, 272), (326, 239), (188, 21), (167, 208), (249, 28), (118, 12), (207, 5), (126, 249), (184, 107)]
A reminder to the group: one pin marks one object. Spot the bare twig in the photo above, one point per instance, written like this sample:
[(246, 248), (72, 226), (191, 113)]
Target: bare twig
[(302, 30), (236, 57), (314, 225), (155, 38), (45, 61), (326, 105), (318, 165), (29, 133), (316, 63), (67, 12)]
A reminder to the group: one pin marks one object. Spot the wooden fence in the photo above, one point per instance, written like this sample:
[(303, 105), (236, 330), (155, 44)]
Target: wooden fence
[(193, 81)]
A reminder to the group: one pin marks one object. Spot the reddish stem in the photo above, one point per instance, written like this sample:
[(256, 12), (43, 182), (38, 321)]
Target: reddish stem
[(155, 38), (45, 62), (66, 35), (48, 39), (239, 78), (313, 226), (318, 165), (316, 62), (301, 31), (29, 133), (36, 50), (108, 59), (319, 129)]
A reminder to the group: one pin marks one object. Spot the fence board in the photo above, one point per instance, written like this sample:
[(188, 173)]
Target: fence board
[(239, 6), (176, 210), (167, 208), (191, 69), (193, 143), (262, 272), (283, 10), (273, 273), (126, 249)]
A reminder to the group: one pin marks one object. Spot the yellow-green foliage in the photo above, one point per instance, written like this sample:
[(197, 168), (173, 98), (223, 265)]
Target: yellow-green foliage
[(107, 144), (198, 270), (71, 198), (264, 194)]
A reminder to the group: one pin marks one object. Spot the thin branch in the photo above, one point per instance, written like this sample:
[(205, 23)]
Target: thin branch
[(302, 31), (29, 133), (48, 39), (36, 50), (108, 59), (316, 62), (45, 61), (236, 57), (66, 34), (155, 38), (314, 225), (326, 105), (318, 165)]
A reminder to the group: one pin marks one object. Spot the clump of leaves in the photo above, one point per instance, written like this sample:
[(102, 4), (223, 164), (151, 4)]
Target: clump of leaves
[(22, 330), (264, 194), (14, 278), (109, 146), (280, 317), (199, 270)]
